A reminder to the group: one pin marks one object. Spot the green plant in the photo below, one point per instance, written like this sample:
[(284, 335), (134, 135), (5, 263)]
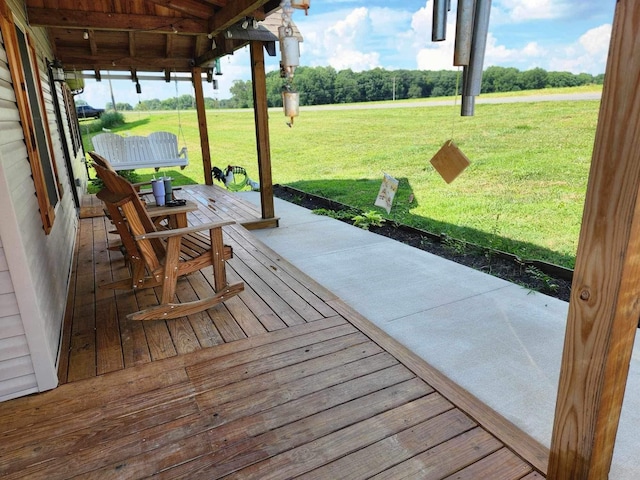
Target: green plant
[(337, 214), (368, 219), (111, 119), (130, 175), (548, 282), (459, 247)]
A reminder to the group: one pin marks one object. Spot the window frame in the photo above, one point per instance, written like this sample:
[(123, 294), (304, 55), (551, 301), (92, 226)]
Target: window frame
[(16, 67)]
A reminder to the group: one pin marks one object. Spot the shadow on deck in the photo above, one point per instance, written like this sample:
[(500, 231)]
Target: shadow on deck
[(282, 381)]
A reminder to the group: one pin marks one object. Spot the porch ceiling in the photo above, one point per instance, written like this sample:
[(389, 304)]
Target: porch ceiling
[(142, 35)]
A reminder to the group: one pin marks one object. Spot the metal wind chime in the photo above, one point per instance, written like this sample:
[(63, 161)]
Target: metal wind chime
[(472, 26), (290, 57)]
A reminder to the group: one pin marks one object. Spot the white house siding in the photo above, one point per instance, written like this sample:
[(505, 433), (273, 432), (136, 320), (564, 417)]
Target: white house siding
[(34, 287)]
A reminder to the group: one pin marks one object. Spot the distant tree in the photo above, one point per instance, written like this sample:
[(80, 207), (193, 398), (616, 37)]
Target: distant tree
[(561, 79), (534, 79), (211, 103), (274, 89), (501, 79), (346, 89), (242, 94), (584, 79), (122, 106), (185, 102), (153, 104), (315, 85), (442, 83), (376, 85), (417, 85)]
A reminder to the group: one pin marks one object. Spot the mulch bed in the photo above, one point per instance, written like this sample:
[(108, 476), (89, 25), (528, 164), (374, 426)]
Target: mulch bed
[(542, 277)]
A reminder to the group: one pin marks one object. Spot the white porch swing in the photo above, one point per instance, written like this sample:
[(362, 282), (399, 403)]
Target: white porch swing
[(156, 150)]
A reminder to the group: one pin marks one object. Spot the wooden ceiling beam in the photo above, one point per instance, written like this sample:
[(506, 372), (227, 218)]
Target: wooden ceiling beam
[(217, 3), (229, 15), (224, 46), (132, 44), (46, 17), (92, 43), (190, 7), (169, 46), (105, 62)]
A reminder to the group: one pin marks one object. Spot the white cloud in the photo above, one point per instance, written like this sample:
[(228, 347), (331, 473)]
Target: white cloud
[(355, 60), (596, 41), (340, 40), (497, 54), (528, 10), (431, 55), (588, 54)]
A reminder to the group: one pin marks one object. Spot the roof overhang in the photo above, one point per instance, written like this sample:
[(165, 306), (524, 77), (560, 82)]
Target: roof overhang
[(160, 36)]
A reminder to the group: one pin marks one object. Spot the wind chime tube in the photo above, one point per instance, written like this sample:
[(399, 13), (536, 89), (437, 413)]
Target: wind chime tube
[(467, 106), (290, 51), (291, 103), (464, 32), (473, 76), (439, 27)]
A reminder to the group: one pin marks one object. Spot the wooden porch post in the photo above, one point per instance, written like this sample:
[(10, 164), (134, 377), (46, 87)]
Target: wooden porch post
[(196, 75), (259, 83), (604, 307)]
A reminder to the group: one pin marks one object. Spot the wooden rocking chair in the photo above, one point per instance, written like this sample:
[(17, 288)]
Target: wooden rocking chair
[(160, 257)]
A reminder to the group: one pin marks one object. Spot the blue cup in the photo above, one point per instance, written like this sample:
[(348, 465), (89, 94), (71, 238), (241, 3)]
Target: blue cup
[(158, 191)]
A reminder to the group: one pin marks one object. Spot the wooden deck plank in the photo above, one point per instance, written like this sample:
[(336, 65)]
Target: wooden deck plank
[(251, 266), (275, 449), (444, 459), (279, 305), (304, 280), (295, 461), (238, 391), (274, 413), (264, 383), (449, 445), (108, 344), (502, 465), (65, 340), (258, 308), (323, 388), (56, 407), (145, 464), (75, 435), (334, 349), (82, 350)]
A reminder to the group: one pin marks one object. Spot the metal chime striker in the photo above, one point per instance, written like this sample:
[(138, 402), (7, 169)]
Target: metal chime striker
[(290, 52)]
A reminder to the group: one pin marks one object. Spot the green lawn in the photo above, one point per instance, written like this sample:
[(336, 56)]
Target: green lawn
[(523, 192)]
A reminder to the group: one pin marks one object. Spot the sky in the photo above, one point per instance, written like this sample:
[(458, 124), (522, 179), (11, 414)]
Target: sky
[(556, 35)]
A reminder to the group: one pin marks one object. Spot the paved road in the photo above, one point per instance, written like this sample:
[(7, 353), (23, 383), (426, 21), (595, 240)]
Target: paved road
[(557, 97)]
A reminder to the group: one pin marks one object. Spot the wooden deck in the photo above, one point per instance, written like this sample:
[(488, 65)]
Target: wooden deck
[(282, 381)]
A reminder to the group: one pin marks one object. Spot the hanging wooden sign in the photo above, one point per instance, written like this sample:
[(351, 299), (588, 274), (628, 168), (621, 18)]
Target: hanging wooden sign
[(449, 161)]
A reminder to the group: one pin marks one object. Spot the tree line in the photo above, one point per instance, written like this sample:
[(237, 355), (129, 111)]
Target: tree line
[(325, 85)]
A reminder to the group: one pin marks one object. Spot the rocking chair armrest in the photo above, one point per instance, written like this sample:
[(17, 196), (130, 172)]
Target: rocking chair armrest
[(184, 231)]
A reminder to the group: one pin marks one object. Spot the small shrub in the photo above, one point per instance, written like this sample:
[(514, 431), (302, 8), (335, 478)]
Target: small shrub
[(455, 246), (130, 175), (337, 214), (548, 282), (111, 119), (368, 219)]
